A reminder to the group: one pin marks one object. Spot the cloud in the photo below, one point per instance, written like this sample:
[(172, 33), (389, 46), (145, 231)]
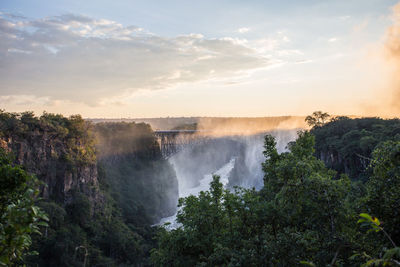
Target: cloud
[(24, 100), (384, 61), (81, 59), (243, 30)]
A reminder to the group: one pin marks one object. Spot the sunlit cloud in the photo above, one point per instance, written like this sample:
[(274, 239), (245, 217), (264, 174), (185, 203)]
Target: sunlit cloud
[(25, 100), (263, 58), (78, 58)]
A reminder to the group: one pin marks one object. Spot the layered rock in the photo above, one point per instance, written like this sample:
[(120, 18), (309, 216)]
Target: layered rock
[(63, 160)]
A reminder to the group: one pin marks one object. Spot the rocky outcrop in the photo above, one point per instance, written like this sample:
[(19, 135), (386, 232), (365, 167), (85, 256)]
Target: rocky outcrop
[(48, 156)]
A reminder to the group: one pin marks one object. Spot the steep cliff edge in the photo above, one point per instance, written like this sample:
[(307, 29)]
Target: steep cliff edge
[(58, 150), (141, 181), (101, 191)]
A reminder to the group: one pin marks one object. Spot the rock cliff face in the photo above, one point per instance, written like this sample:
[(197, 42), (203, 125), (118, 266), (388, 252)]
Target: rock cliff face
[(102, 186), (333, 159), (62, 159), (75, 158), (46, 157)]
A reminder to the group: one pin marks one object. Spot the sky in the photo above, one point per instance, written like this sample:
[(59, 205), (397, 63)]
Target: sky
[(228, 58)]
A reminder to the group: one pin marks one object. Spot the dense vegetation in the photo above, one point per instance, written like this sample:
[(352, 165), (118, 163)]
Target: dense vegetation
[(143, 184), (98, 198), (115, 183), (19, 216), (72, 133), (346, 145), (305, 214)]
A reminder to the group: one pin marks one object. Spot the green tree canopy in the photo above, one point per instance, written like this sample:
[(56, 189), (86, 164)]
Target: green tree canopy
[(317, 119), (300, 214), (19, 216), (383, 188)]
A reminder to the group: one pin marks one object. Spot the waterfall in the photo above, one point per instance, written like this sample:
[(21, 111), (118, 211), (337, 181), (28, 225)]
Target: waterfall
[(204, 185), (236, 159)]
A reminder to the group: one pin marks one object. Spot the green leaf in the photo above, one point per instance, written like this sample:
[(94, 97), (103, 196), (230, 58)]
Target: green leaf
[(308, 263), (366, 216), (43, 224), (391, 253), (34, 210)]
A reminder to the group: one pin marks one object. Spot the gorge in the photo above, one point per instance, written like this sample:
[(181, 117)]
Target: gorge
[(109, 187), (237, 159)]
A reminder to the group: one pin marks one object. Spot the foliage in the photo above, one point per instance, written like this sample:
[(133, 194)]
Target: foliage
[(388, 259), (115, 231), (306, 204), (299, 214), (391, 256), (142, 183), (317, 119), (103, 233), (73, 133), (216, 225), (346, 145), (19, 216), (368, 220), (121, 138), (382, 191), (111, 226), (306, 213)]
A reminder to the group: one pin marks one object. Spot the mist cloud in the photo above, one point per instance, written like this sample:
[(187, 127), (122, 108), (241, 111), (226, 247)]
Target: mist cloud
[(221, 127), (81, 59), (392, 52)]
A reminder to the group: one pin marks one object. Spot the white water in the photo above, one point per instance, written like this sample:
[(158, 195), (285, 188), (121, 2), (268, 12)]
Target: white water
[(251, 156), (204, 185)]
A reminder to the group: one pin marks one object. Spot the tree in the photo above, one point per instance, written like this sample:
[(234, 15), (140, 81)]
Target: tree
[(346, 145), (19, 216), (308, 214), (383, 197), (300, 214), (317, 119), (391, 257)]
